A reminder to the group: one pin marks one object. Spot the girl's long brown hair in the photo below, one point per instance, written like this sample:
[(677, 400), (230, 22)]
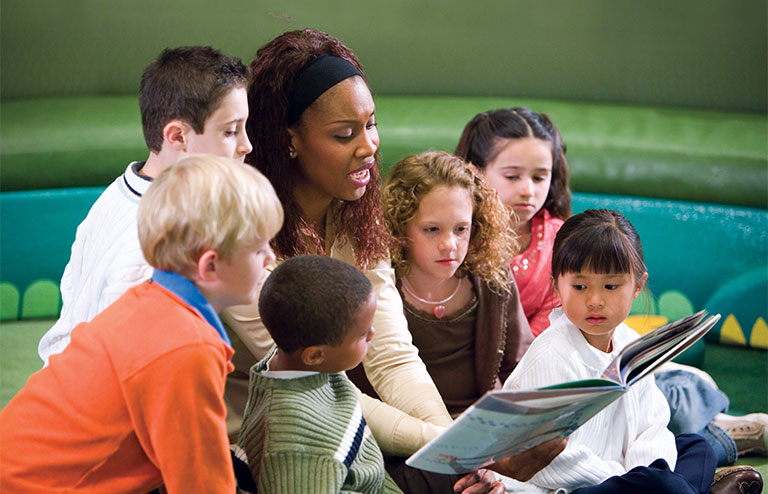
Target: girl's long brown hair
[(479, 144)]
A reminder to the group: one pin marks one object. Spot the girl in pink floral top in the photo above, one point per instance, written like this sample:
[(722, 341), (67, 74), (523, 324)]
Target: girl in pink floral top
[(520, 154)]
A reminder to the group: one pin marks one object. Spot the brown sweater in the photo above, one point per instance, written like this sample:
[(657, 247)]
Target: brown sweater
[(471, 352)]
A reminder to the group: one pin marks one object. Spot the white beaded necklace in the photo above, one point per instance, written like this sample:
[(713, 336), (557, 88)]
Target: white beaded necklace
[(439, 309)]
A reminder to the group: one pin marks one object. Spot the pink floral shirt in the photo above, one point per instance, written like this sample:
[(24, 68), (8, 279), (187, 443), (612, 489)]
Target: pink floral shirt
[(532, 270)]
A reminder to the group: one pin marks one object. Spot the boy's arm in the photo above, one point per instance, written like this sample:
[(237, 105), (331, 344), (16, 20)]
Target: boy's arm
[(177, 407), (89, 285)]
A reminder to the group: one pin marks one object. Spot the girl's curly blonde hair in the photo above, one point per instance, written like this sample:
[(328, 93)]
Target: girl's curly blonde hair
[(492, 240)]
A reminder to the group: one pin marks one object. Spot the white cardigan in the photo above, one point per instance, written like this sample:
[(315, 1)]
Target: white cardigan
[(630, 432)]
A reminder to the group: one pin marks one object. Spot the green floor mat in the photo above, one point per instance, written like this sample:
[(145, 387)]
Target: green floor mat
[(18, 354), (742, 373)]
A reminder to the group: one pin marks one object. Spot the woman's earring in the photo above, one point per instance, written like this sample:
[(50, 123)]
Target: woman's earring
[(291, 152)]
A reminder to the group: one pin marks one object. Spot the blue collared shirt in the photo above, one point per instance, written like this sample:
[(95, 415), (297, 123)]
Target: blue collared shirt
[(188, 292)]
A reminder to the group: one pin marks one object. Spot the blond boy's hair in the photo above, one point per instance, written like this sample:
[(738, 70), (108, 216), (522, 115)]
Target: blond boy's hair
[(205, 203)]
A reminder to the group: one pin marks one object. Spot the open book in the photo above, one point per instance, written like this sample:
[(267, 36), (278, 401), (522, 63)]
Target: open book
[(504, 423)]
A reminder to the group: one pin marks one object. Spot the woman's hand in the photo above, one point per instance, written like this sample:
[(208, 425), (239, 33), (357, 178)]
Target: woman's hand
[(526, 464), (480, 481)]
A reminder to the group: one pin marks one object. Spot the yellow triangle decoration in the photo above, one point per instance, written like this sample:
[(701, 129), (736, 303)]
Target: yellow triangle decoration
[(731, 332), (759, 336), (645, 323)]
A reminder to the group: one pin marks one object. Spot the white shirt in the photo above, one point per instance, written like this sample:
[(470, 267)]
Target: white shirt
[(106, 259), (631, 431)]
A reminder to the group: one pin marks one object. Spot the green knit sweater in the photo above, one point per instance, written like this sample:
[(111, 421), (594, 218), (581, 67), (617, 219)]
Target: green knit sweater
[(308, 435)]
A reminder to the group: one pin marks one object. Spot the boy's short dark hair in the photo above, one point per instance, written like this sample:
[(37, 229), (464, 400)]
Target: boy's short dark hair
[(187, 83), (312, 300)]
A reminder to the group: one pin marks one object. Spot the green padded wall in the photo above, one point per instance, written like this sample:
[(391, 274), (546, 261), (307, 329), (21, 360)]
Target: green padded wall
[(38, 228), (692, 154), (694, 250), (674, 153), (682, 53), (701, 256), (68, 142)]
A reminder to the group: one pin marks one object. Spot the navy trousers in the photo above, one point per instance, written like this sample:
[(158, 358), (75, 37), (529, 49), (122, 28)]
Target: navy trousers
[(693, 474)]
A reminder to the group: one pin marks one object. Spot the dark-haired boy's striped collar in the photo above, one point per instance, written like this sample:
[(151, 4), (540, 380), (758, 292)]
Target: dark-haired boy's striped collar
[(134, 182), (188, 292)]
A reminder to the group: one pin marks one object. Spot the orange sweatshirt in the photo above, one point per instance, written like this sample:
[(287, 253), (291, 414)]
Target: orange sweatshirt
[(136, 400)]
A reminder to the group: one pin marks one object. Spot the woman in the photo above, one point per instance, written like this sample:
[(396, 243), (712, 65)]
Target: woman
[(314, 135), (315, 138)]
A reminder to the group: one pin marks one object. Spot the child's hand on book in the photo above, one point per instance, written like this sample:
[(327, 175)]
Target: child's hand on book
[(480, 481), (525, 465)]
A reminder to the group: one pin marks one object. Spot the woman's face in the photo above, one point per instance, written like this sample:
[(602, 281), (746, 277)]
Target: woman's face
[(335, 142)]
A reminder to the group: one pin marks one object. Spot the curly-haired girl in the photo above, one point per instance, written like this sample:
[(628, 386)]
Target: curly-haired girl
[(452, 266)]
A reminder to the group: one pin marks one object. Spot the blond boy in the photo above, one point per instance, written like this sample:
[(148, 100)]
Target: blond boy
[(136, 399), (192, 100)]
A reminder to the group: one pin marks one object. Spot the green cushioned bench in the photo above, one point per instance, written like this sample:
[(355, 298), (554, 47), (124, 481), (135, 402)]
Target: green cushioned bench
[(696, 254), (699, 255), (689, 154)]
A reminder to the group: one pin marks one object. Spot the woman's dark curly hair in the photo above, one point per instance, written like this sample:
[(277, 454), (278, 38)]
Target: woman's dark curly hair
[(273, 72), (479, 144)]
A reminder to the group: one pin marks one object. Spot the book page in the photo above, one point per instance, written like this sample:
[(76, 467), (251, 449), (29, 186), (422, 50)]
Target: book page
[(504, 423), (646, 351), (497, 427), (649, 361)]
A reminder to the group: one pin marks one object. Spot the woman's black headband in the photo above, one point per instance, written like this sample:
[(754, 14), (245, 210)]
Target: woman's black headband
[(316, 77)]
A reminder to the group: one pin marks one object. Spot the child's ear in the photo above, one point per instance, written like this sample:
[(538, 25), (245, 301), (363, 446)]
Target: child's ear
[(174, 133), (206, 266), (641, 284), (553, 285), (313, 355)]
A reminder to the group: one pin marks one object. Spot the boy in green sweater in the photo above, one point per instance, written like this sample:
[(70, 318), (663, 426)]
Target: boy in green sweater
[(303, 428)]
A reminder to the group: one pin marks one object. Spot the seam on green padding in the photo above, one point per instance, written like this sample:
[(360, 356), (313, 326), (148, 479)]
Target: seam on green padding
[(41, 299), (9, 301)]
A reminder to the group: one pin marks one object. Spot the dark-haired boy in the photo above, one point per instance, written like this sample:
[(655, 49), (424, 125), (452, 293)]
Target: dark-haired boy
[(303, 429), (192, 100)]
